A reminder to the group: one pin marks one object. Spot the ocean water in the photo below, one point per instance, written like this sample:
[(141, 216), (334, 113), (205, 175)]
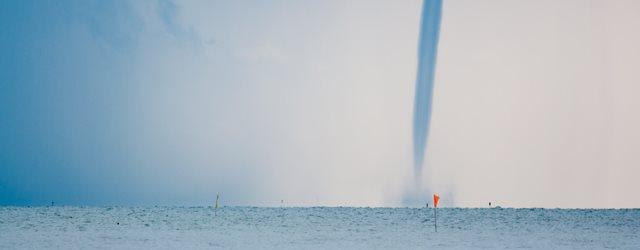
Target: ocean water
[(315, 228)]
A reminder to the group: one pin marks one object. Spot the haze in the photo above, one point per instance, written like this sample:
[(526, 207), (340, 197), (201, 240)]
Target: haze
[(310, 103)]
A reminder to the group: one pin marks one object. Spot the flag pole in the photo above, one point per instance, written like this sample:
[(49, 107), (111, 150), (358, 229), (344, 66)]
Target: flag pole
[(436, 199)]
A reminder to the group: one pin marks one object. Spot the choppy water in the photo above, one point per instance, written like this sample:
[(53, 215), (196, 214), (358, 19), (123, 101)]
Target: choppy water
[(321, 227)]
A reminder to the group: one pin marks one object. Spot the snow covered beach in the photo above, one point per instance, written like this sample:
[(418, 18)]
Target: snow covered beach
[(315, 227)]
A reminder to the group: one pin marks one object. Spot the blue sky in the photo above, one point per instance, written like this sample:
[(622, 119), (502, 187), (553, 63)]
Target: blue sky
[(311, 102)]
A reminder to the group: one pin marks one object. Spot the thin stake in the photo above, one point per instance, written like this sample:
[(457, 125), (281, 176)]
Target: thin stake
[(435, 214), (216, 208)]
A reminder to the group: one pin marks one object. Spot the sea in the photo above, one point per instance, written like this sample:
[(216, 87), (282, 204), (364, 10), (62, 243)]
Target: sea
[(69, 227)]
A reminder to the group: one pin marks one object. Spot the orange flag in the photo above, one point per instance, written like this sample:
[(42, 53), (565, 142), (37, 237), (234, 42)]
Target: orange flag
[(436, 198)]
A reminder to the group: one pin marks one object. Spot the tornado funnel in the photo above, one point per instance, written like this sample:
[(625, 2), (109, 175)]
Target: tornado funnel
[(427, 53)]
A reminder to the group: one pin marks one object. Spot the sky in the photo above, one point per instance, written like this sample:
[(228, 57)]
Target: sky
[(311, 103)]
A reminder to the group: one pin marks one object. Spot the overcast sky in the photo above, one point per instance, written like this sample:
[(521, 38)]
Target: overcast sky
[(311, 102)]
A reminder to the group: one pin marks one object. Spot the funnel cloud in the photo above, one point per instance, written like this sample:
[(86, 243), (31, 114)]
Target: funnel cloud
[(427, 52)]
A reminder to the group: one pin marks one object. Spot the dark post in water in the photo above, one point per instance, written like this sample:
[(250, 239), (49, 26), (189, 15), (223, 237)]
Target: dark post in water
[(435, 222)]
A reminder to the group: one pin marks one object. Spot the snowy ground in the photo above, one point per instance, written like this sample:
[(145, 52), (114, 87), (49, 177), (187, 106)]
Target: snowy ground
[(360, 228)]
